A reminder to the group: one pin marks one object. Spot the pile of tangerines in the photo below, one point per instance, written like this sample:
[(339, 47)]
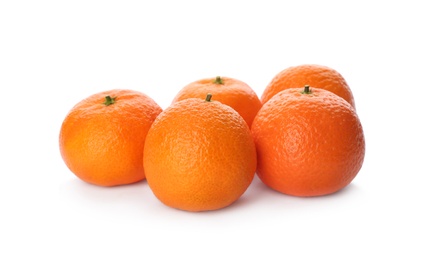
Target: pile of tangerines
[(302, 138)]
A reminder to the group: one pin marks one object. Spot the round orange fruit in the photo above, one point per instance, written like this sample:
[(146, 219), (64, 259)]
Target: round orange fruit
[(316, 76), (199, 155), (229, 91), (309, 142), (102, 137)]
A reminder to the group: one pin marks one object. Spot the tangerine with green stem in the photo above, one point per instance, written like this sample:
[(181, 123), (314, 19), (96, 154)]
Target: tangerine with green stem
[(309, 142), (229, 91), (199, 155), (102, 137)]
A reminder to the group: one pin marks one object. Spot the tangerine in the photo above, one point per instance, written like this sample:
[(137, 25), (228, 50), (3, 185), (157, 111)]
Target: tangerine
[(199, 155), (316, 76), (229, 91), (309, 142), (102, 137)]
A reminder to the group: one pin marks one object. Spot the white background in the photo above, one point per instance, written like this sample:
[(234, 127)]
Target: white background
[(55, 53)]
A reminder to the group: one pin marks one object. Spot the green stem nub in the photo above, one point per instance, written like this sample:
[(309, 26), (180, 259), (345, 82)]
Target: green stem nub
[(208, 97), (218, 80), (109, 100), (306, 90)]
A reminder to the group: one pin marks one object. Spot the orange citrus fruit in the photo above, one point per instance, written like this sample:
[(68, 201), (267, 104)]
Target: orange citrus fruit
[(199, 155), (102, 137), (316, 76), (229, 91), (309, 142)]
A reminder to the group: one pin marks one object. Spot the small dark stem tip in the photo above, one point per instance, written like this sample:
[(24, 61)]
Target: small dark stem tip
[(208, 97), (109, 100), (218, 80), (306, 90)]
